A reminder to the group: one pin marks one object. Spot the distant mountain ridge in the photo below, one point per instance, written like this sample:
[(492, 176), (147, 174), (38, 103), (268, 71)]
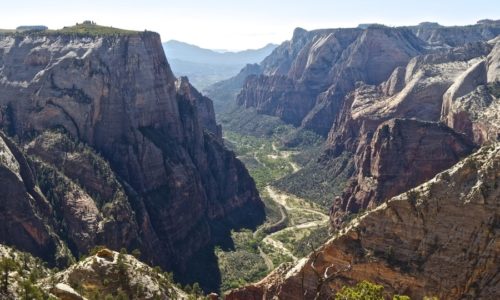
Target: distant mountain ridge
[(205, 67), (192, 53)]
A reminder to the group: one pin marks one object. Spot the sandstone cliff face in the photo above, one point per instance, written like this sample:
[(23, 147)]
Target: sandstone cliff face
[(203, 105), (416, 91), (441, 36), (118, 95), (439, 239), (402, 154), (309, 75), (322, 66), (89, 204), (471, 105), (223, 93), (23, 207), (287, 100)]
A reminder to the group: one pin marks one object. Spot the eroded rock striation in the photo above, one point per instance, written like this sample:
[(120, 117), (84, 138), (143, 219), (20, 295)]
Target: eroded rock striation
[(439, 239), (321, 67), (114, 102), (422, 90), (310, 75), (402, 154)]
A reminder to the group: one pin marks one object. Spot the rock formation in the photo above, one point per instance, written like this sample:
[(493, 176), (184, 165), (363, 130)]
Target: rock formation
[(471, 105), (402, 154), (322, 66), (108, 273), (442, 36), (403, 113), (171, 177), (103, 274), (309, 75), (438, 239), (420, 90)]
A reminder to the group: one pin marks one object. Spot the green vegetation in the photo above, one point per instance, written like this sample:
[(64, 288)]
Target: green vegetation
[(20, 273), (248, 122), (92, 29), (365, 291), (242, 265), (494, 89), (316, 237), (260, 158), (85, 29), (7, 265), (320, 182), (271, 151), (276, 256), (77, 161)]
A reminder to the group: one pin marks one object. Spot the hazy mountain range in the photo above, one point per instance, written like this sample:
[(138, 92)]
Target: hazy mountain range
[(204, 67)]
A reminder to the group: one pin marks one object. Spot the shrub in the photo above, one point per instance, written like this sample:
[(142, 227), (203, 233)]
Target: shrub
[(365, 291), (106, 254)]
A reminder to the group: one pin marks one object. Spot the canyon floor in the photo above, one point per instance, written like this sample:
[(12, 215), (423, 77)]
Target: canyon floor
[(293, 224)]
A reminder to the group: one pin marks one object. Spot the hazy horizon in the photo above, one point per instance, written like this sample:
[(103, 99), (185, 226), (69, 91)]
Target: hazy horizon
[(234, 26)]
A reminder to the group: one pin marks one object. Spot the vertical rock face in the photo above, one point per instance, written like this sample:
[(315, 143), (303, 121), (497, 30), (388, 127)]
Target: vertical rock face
[(204, 106), (368, 127), (439, 239), (402, 154), (287, 100), (305, 79), (117, 94), (402, 124), (20, 214), (471, 105), (321, 67)]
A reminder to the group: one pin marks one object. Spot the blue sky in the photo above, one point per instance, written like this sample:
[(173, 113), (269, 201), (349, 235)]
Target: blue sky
[(236, 24)]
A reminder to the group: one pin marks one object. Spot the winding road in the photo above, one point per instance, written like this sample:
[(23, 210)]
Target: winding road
[(281, 198), (289, 203)]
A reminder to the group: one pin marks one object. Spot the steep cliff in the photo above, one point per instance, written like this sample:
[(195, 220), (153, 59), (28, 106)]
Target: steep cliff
[(321, 67), (309, 75), (115, 93), (471, 105), (439, 239), (420, 90), (402, 154)]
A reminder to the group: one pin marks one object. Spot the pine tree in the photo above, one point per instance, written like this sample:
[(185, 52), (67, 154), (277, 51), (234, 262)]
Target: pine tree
[(7, 265)]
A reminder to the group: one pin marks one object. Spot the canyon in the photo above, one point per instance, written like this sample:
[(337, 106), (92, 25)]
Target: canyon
[(111, 149), (406, 109), (346, 155)]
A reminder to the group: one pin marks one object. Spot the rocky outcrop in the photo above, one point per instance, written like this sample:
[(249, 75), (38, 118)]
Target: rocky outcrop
[(471, 105), (285, 99), (438, 239), (223, 93), (321, 67), (415, 91), (90, 204), (171, 176), (103, 274), (204, 106), (442, 36), (422, 150), (23, 208), (110, 273)]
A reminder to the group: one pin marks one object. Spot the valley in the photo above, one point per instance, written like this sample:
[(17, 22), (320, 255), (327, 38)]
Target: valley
[(292, 223), (349, 161)]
